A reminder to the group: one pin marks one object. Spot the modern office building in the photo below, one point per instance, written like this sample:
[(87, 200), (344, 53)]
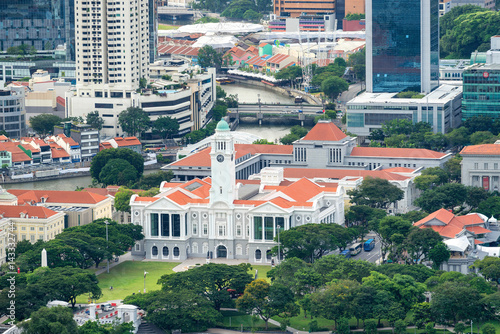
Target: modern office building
[(38, 23), (440, 108), (402, 45), (481, 84), (112, 46), (13, 112), (153, 30)]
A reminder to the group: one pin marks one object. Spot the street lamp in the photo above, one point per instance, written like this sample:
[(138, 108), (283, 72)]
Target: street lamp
[(260, 111), (145, 272), (279, 253), (471, 327), (106, 222)]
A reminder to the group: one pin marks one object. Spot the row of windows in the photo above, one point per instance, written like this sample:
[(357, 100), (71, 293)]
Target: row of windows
[(265, 228), (165, 252), (170, 225), (486, 166)]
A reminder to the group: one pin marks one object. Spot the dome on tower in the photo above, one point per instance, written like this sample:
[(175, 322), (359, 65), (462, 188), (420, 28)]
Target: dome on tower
[(222, 126)]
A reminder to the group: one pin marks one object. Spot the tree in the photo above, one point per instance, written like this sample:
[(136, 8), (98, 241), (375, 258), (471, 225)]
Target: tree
[(458, 137), (376, 193), (361, 216), (460, 328), (489, 267), (122, 199), (291, 73), (454, 168), (334, 86), (447, 21), (488, 329), (94, 120), (393, 231), (101, 159), (177, 309), (298, 131), (153, 180), (238, 8), (134, 120), (310, 242), (475, 196), (263, 142), (446, 196), (220, 92), (454, 302), (211, 281), (50, 320), (439, 254), (482, 137), (335, 301), (266, 300), (490, 207), (289, 139), (419, 243), (252, 15), (143, 83), (166, 127), (400, 326), (421, 314), (478, 123), (209, 57), (357, 62), (66, 283), (44, 124), (93, 327), (117, 172), (431, 177), (370, 327), (470, 32)]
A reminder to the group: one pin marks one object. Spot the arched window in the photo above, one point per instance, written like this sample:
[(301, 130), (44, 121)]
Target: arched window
[(268, 255), (258, 254), (165, 251), (176, 251), (154, 251)]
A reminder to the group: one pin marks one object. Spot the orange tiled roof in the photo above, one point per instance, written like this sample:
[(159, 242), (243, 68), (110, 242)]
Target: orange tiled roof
[(58, 152), (338, 174), (261, 45), (399, 170), (452, 225), (127, 141), (56, 196), (68, 140), (18, 155), (487, 149), (202, 158), (14, 211), (325, 131), (419, 153), (3, 137)]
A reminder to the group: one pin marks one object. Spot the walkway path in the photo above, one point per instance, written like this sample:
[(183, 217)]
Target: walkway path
[(125, 257)]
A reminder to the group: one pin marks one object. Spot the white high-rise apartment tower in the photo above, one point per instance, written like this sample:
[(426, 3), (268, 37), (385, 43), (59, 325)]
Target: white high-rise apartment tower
[(112, 46)]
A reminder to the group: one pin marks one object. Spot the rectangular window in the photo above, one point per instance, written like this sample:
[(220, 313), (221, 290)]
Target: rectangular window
[(268, 227), (257, 228), (485, 165), (279, 221), (154, 224), (176, 225), (205, 229), (476, 165), (165, 225), (495, 165)]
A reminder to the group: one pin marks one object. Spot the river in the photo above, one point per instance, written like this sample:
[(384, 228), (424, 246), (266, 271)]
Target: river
[(250, 94)]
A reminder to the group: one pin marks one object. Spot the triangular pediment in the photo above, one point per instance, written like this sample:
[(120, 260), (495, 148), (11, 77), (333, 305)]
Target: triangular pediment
[(268, 208), (164, 203)]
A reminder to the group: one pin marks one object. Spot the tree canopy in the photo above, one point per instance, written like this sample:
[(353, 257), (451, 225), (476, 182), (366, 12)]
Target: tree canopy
[(50, 320), (376, 193), (209, 57), (117, 172), (100, 160), (94, 120), (134, 121), (44, 124)]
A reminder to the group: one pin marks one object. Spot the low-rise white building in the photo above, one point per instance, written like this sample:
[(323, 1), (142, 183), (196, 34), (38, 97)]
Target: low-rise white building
[(223, 217), (442, 109), (480, 166)]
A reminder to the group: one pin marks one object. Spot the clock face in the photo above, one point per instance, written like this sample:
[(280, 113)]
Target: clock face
[(220, 158)]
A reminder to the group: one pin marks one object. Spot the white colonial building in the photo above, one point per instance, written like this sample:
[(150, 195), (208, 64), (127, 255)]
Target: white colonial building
[(223, 217)]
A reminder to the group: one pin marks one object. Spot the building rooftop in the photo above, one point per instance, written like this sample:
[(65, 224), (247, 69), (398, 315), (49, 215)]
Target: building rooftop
[(388, 152), (56, 196), (325, 131), (449, 226), (485, 149), (338, 174), (26, 211)]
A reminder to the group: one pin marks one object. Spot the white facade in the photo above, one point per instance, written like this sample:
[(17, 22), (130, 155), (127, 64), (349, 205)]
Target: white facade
[(13, 112), (112, 45), (225, 219), (442, 109), (480, 166)]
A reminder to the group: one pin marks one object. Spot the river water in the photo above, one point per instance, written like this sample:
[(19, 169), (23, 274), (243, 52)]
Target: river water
[(250, 94)]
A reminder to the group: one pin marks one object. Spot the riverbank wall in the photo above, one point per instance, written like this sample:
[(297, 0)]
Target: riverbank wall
[(281, 90), (80, 173)]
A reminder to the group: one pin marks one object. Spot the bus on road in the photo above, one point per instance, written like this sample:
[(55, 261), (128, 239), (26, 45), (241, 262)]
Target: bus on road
[(355, 249), (369, 245)]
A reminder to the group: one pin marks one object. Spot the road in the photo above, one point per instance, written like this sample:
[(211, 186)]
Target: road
[(348, 95), (372, 256)]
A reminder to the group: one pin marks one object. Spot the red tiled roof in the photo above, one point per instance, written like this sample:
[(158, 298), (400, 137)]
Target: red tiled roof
[(68, 140), (56, 196), (58, 151), (18, 155), (261, 45), (325, 131), (338, 174), (453, 225), (60, 100), (399, 170), (486, 149), (278, 58), (13, 211), (419, 153), (127, 141), (3, 137)]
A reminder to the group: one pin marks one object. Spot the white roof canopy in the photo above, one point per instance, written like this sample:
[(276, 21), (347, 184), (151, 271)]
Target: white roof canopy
[(222, 28), (457, 244)]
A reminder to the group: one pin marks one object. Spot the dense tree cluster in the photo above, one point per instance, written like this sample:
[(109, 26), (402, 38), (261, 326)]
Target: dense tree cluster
[(117, 166), (80, 246), (296, 132), (44, 124)]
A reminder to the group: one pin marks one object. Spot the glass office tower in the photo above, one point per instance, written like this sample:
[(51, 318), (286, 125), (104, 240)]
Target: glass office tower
[(402, 45), (44, 24)]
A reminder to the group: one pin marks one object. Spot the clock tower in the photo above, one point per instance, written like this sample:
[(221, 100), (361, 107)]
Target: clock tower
[(223, 165)]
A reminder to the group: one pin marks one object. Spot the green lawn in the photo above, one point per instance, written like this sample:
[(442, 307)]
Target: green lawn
[(167, 27), (234, 319), (128, 277), (261, 271)]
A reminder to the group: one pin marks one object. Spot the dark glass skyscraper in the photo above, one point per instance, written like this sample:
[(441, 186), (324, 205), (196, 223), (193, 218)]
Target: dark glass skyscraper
[(44, 24), (402, 45)]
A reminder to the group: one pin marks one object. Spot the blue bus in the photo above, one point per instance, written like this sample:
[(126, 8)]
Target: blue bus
[(346, 253), (369, 245)]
